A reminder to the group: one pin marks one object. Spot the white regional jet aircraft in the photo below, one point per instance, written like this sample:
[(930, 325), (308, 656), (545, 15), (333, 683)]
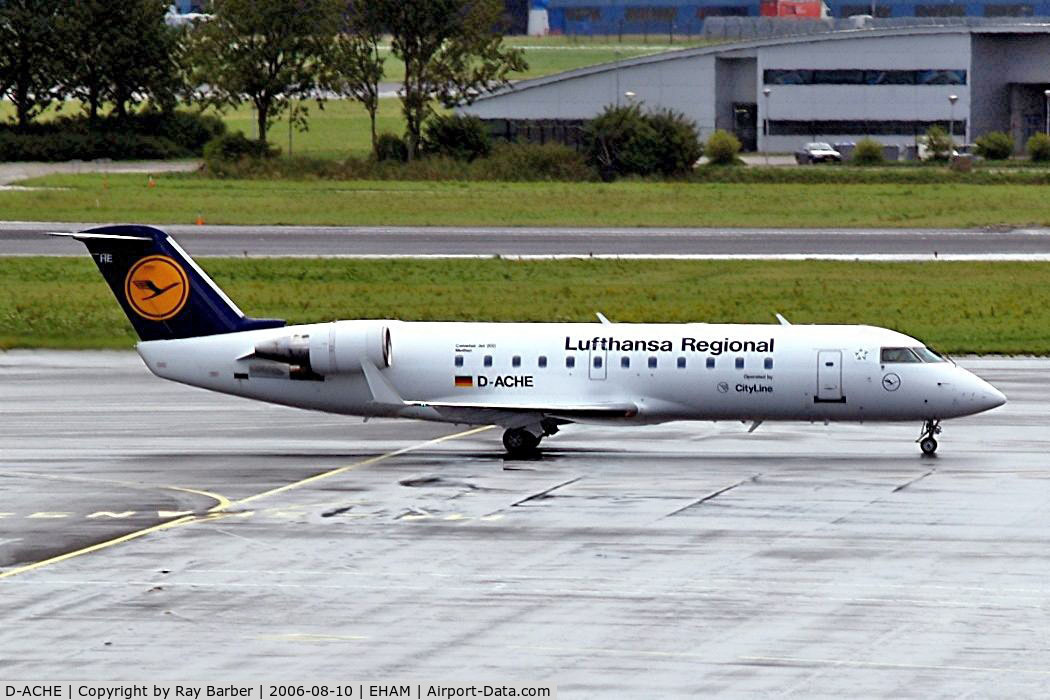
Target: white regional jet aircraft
[(528, 378)]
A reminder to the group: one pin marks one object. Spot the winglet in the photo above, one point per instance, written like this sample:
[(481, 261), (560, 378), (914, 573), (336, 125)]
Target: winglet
[(602, 319), (783, 321), (382, 390)]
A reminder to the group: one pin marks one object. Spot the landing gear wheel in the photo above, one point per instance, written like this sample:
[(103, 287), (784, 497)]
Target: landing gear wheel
[(927, 441), (519, 442)]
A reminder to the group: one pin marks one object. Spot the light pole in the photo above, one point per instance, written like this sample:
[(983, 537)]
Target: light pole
[(630, 97), (1046, 94), (765, 124), (952, 99)]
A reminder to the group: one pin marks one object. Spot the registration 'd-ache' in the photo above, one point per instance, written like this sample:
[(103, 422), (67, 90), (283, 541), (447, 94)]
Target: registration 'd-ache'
[(529, 378)]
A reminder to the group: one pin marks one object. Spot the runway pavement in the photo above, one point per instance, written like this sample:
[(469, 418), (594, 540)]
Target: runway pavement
[(22, 238), (266, 543)]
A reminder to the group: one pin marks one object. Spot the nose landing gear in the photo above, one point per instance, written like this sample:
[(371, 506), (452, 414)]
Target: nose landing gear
[(927, 441)]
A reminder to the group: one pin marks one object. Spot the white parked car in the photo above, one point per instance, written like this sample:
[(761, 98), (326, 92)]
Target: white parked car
[(817, 152)]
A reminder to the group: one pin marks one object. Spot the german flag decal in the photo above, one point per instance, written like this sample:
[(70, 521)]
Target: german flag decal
[(464, 381)]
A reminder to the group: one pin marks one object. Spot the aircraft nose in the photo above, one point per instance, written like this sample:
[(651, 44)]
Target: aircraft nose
[(984, 396)]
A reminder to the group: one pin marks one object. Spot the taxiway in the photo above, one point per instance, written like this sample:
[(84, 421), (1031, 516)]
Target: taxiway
[(154, 532)]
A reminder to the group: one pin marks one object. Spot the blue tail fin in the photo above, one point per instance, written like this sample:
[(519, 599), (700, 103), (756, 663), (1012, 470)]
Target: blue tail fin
[(164, 293)]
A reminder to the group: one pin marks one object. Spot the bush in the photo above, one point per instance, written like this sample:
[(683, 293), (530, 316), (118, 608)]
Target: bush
[(1038, 147), (626, 141), (938, 144), (391, 147), (149, 134), (722, 148), (458, 136), (995, 145), (678, 144), (868, 152), (235, 148)]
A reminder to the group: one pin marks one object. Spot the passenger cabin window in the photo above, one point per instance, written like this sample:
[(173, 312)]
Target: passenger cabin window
[(710, 363), (542, 362), (681, 363), (570, 361), (768, 364), (740, 363), (652, 363), (515, 361), (625, 362), (597, 361), (459, 360), (488, 360), (899, 355)]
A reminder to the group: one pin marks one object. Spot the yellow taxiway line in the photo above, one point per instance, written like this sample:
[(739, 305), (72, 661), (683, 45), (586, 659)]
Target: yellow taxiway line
[(225, 504)]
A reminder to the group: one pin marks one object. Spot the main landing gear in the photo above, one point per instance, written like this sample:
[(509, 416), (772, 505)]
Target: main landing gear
[(522, 442), (927, 441)]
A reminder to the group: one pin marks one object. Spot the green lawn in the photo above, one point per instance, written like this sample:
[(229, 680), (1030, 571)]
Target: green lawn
[(958, 307), (180, 198)]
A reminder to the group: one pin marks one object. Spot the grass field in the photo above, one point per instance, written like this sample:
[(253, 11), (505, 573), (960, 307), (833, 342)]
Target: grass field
[(957, 307), (180, 198)]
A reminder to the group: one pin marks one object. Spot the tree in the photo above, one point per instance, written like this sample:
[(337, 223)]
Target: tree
[(122, 53), (453, 52), (28, 69), (270, 52), (354, 66)]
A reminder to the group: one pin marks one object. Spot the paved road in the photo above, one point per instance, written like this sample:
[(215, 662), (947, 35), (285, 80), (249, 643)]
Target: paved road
[(13, 172), (833, 561), (26, 239)]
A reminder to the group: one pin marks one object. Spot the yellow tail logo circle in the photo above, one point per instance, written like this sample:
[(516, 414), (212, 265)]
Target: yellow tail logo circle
[(157, 287)]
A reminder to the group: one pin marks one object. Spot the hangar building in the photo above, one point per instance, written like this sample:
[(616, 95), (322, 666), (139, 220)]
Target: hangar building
[(891, 84)]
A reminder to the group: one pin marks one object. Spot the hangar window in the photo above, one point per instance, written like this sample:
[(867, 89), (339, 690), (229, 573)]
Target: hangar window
[(542, 361), (459, 360), (515, 361), (625, 362), (710, 363), (817, 128), (940, 10), (768, 363), (570, 361), (681, 363), (869, 76), (1008, 11), (850, 10), (488, 361), (652, 362), (648, 14), (721, 11), (898, 355), (583, 14), (740, 363)]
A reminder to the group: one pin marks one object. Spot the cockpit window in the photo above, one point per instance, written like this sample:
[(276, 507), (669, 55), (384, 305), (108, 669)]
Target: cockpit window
[(928, 355), (897, 355), (920, 354)]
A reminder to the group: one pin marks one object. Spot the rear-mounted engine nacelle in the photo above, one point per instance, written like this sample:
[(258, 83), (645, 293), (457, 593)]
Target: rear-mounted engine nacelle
[(332, 348)]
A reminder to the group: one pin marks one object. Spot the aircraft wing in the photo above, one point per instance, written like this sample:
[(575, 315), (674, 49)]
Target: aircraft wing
[(566, 412)]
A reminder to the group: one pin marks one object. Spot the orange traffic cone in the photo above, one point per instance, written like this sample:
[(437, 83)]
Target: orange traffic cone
[(152, 182), (200, 220)]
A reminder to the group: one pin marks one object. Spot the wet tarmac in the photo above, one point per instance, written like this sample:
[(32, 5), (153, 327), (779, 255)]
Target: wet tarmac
[(154, 532)]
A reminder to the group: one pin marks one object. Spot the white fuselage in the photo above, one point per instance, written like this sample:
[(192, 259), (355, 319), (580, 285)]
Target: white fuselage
[(668, 372)]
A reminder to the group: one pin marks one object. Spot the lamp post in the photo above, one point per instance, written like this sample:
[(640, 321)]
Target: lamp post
[(952, 99), (1046, 94), (630, 97), (765, 124)]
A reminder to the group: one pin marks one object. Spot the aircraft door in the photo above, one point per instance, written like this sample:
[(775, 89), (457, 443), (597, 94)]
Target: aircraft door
[(829, 376), (597, 367)]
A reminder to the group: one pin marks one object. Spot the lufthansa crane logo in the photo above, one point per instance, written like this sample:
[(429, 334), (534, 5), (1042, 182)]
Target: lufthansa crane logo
[(157, 287)]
